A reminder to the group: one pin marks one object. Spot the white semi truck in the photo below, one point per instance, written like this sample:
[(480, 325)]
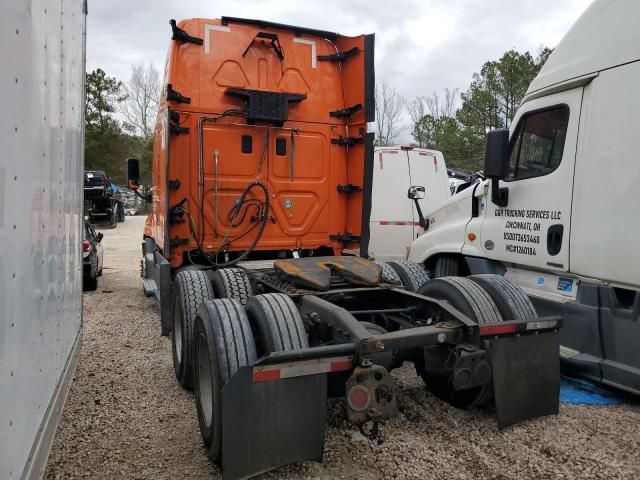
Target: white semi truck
[(559, 212), (41, 131)]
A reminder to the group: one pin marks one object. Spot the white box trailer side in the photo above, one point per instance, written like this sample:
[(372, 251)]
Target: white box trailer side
[(394, 220), (42, 71)]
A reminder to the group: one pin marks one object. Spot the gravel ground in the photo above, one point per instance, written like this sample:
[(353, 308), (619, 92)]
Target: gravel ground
[(126, 417)]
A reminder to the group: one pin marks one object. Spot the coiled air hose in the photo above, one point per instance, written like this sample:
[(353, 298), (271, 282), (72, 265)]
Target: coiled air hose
[(233, 214)]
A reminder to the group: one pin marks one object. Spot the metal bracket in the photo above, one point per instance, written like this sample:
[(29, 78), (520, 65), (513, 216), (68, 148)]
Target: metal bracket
[(347, 141), (345, 237), (349, 188), (339, 56), (275, 44), (180, 35), (174, 242), (346, 112), (177, 129), (176, 216), (175, 96)]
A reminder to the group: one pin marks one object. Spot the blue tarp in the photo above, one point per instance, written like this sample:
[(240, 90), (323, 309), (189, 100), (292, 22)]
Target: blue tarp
[(582, 392)]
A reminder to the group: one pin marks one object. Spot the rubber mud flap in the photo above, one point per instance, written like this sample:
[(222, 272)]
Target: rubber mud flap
[(526, 377), (269, 424)]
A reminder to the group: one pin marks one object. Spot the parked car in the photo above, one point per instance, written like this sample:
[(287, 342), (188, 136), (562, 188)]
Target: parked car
[(91, 257), (130, 211)]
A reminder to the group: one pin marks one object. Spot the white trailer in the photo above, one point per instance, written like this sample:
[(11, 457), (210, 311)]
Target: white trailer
[(395, 220), (558, 214), (42, 71)]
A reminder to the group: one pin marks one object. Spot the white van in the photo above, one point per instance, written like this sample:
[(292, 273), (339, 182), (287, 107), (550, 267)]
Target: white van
[(395, 220), (559, 213)]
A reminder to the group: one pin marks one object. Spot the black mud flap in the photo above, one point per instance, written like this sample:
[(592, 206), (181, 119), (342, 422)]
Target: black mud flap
[(269, 424), (526, 377)]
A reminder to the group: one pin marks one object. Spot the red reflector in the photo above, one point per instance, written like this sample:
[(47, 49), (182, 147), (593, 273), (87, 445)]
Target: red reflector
[(358, 398), (341, 366), (423, 154), (86, 246), (497, 329), (265, 375)]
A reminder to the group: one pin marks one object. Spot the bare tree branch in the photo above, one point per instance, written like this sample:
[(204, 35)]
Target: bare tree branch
[(389, 105), (143, 95), (426, 111), (445, 107)]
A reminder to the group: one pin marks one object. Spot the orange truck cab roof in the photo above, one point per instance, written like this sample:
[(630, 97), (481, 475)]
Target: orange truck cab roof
[(248, 102)]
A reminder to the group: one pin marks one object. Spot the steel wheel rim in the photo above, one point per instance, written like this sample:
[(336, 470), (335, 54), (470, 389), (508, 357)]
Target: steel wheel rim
[(205, 388)]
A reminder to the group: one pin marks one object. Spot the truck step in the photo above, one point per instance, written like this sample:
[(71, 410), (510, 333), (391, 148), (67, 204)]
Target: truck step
[(150, 288)]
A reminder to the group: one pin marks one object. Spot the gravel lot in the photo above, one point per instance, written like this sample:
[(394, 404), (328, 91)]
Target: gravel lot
[(126, 417)]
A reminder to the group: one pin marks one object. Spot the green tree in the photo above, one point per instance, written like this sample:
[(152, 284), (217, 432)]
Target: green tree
[(102, 96), (493, 98), (107, 144)]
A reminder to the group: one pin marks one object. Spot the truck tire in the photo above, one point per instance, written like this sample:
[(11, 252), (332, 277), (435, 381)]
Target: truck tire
[(511, 300), (389, 275), (447, 266), (277, 323), (232, 283), (412, 275), (468, 297), (222, 343), (89, 284), (191, 288)]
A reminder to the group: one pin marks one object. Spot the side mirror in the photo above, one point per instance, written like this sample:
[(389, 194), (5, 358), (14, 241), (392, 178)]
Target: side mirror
[(415, 192), (133, 173), (99, 237), (496, 164), (496, 156)]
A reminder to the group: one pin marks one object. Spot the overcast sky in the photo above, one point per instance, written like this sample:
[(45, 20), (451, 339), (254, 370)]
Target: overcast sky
[(421, 46)]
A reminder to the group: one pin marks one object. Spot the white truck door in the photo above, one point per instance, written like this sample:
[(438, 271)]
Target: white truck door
[(391, 221), (533, 229)]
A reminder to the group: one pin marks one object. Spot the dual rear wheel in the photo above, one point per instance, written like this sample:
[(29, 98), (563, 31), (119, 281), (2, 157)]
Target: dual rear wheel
[(486, 298), (214, 337)]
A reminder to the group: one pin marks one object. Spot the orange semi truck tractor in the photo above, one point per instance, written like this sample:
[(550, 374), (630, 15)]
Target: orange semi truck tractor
[(261, 192)]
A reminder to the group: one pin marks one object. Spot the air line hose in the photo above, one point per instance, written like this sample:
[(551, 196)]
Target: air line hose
[(235, 211)]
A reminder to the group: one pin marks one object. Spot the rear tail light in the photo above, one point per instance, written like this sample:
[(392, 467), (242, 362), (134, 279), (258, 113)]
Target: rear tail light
[(497, 329), (358, 398), (86, 246)]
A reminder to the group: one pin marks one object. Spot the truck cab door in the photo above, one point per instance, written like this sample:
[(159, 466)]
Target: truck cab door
[(533, 228)]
